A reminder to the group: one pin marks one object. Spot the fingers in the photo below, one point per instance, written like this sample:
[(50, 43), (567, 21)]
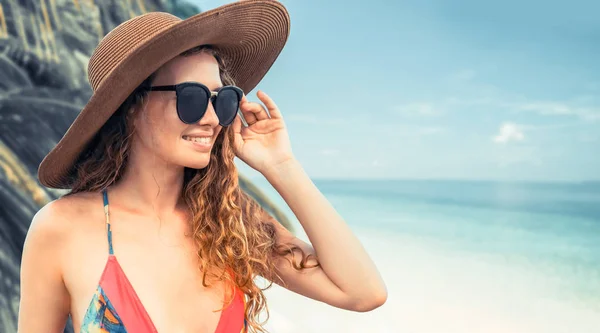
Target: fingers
[(270, 104), (254, 112), (248, 115)]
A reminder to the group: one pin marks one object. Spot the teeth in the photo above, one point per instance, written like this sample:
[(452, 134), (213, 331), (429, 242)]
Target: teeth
[(204, 139)]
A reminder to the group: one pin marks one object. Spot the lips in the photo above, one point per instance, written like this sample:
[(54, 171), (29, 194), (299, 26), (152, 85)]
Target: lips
[(201, 144)]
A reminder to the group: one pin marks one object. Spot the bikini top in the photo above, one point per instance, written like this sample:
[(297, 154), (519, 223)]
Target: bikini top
[(116, 308)]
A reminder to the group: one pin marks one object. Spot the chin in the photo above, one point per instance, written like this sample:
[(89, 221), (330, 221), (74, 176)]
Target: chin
[(197, 164)]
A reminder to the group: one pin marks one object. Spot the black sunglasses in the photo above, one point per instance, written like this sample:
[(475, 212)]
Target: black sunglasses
[(193, 97)]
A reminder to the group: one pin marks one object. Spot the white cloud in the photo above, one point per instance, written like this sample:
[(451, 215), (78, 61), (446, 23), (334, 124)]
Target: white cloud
[(561, 109), (509, 132)]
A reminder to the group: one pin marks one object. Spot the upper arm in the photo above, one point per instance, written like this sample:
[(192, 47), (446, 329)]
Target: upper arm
[(44, 301)]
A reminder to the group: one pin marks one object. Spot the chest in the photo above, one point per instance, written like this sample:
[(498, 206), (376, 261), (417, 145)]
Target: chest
[(162, 269)]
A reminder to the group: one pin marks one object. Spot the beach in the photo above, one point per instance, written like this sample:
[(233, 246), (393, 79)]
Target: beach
[(464, 257)]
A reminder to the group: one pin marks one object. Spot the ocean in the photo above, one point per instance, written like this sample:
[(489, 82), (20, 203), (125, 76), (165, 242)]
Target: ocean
[(463, 256)]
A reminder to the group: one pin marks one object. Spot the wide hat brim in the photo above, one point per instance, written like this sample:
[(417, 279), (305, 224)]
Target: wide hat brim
[(249, 35)]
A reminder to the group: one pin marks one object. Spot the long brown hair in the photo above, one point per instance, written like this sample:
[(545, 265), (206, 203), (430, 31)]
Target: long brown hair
[(232, 232)]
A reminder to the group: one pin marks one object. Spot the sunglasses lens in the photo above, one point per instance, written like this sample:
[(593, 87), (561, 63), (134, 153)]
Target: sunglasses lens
[(226, 105), (191, 104)]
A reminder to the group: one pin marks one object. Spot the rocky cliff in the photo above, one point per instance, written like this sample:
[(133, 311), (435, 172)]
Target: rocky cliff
[(44, 49)]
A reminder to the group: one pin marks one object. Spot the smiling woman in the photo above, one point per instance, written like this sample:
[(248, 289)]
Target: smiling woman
[(150, 166), (148, 127)]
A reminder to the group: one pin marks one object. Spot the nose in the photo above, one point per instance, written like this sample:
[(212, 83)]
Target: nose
[(210, 116)]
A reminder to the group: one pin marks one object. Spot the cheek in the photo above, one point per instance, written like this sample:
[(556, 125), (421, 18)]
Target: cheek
[(160, 127)]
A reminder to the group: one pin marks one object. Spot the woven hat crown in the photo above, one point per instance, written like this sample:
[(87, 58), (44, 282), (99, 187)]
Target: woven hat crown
[(123, 39)]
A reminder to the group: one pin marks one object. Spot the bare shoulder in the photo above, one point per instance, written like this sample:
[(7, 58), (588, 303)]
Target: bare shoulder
[(54, 222), (45, 297)]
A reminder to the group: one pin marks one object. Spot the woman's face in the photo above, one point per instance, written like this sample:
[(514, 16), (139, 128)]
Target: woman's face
[(158, 127)]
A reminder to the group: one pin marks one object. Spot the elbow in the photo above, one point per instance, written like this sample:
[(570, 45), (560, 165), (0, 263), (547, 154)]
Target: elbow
[(371, 302)]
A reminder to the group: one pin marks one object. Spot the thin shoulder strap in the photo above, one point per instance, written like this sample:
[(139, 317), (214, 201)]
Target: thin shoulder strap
[(108, 230)]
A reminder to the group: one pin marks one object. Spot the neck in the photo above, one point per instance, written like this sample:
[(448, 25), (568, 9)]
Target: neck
[(150, 184)]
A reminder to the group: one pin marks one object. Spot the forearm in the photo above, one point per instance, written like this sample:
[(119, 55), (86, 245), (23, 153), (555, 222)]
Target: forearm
[(340, 254)]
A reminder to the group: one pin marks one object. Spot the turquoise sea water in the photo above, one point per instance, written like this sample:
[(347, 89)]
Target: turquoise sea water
[(539, 241), (551, 228)]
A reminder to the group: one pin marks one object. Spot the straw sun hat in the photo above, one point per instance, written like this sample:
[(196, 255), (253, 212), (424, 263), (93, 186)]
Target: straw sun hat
[(248, 34)]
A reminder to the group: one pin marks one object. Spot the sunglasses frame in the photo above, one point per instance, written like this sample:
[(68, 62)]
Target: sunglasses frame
[(211, 99)]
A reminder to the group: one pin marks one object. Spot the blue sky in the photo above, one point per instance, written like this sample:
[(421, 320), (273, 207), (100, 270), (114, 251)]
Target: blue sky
[(441, 89)]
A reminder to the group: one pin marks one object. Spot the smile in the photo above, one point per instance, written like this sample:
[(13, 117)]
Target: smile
[(199, 139)]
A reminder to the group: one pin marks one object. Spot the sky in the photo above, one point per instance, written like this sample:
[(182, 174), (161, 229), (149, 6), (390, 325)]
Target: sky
[(438, 89)]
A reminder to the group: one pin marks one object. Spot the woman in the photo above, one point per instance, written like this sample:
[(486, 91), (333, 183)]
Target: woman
[(150, 165)]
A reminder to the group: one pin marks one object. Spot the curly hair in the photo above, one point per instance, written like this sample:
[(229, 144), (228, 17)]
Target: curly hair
[(233, 233)]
